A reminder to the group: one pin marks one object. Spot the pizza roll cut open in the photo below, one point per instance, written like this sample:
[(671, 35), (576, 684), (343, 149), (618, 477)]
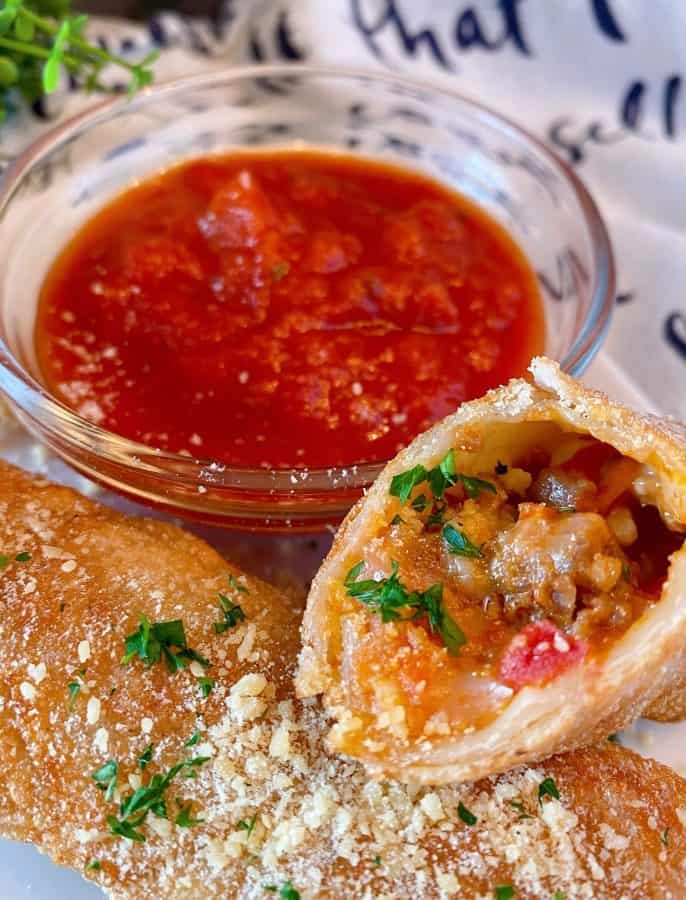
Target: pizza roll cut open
[(512, 586)]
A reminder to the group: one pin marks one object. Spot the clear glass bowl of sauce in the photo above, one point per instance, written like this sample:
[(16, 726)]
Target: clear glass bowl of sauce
[(327, 375)]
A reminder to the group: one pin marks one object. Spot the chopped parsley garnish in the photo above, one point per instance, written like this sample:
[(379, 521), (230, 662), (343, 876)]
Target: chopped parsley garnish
[(206, 686), (238, 587), (442, 476), (459, 543), (664, 837), (193, 740), (150, 798), (73, 687), (501, 468), (247, 825), (467, 817), (232, 612), (548, 788), (388, 596), (24, 556), (152, 641), (397, 520), (280, 270), (626, 571), (184, 818), (145, 757), (559, 895), (288, 892), (519, 806), (270, 887), (504, 892), (125, 829), (93, 866), (377, 860), (106, 778), (403, 484), (614, 739)]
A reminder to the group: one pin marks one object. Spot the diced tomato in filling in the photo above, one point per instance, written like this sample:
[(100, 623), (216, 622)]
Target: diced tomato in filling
[(539, 653)]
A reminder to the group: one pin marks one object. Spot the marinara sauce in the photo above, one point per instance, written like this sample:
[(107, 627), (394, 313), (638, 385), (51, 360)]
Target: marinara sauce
[(284, 308)]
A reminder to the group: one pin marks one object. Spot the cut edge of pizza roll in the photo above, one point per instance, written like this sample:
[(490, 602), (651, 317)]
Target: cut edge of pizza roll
[(512, 586)]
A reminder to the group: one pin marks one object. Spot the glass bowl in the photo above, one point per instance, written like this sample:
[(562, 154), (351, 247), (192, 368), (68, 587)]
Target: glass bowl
[(75, 169)]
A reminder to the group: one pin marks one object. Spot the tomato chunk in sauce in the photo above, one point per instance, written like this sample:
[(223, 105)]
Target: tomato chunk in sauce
[(285, 309)]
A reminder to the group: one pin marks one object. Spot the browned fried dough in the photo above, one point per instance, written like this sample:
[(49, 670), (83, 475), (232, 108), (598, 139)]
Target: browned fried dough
[(276, 809)]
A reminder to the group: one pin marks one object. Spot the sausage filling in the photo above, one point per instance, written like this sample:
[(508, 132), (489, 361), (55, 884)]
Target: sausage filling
[(485, 583)]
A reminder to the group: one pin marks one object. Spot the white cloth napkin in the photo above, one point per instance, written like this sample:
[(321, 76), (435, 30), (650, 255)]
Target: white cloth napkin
[(602, 81)]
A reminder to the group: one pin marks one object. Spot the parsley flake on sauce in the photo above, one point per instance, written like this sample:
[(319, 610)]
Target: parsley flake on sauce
[(442, 476), (193, 739), (153, 640), (93, 866), (280, 270), (459, 543), (467, 817), (548, 788), (288, 892), (389, 596)]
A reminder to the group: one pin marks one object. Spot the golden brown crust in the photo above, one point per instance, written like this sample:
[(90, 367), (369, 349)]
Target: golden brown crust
[(617, 829), (643, 671)]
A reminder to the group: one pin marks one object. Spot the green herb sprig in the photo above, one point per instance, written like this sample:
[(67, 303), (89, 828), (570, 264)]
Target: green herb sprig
[(149, 798), (389, 596), (152, 641), (40, 37), (442, 476)]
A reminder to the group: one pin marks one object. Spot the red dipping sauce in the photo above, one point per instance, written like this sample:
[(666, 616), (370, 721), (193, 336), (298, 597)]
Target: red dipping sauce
[(284, 309)]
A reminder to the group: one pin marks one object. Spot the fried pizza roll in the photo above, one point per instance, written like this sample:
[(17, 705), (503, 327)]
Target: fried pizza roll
[(170, 760), (511, 587)]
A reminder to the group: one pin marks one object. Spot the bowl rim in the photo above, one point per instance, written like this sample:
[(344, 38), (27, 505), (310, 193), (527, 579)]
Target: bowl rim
[(288, 480)]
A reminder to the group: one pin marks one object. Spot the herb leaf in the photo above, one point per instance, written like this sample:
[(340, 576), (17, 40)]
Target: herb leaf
[(124, 829), (459, 543), (206, 685), (467, 817), (184, 818), (106, 778), (93, 866), (247, 825), (504, 892), (442, 476), (548, 788), (232, 612), (73, 687), (288, 892), (151, 641), (145, 757), (24, 556), (389, 595), (193, 740), (402, 484)]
